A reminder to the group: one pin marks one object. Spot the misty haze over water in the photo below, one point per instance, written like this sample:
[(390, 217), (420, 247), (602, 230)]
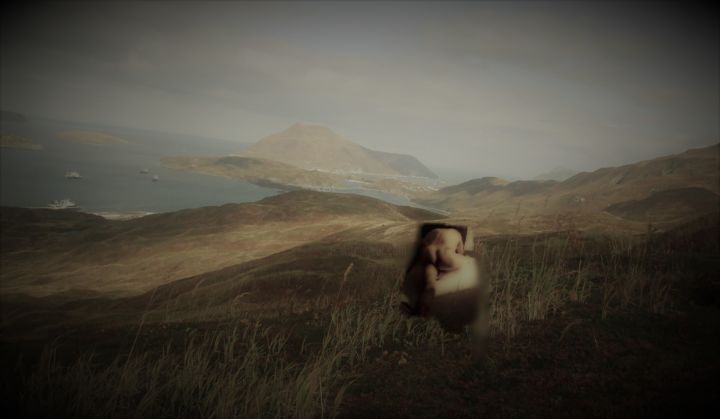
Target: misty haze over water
[(111, 179)]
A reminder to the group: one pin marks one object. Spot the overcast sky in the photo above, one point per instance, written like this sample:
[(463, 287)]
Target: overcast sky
[(480, 88)]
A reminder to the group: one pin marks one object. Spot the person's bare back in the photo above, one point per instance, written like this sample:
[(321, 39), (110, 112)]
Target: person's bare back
[(441, 247), (443, 282), (441, 251)]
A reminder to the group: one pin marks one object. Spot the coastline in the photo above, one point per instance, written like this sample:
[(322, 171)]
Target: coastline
[(121, 216)]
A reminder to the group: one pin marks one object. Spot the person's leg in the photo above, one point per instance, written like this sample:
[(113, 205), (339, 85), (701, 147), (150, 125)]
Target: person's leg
[(429, 255), (449, 260), (413, 288), (464, 276), (431, 276)]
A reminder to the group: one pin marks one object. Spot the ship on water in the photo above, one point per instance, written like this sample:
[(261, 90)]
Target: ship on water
[(62, 204), (155, 178), (72, 175), (144, 171)]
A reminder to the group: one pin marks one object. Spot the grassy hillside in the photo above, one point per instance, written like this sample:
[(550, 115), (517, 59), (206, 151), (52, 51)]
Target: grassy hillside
[(259, 171), (287, 307), (668, 205), (581, 325), (558, 174), (402, 164), (47, 252), (590, 192)]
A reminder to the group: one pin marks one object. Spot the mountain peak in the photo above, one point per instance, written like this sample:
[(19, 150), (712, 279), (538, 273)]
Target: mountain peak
[(316, 147), (311, 129)]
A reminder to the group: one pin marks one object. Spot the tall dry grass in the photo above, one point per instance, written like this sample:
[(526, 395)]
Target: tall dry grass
[(534, 282), (248, 369), (534, 291), (243, 370)]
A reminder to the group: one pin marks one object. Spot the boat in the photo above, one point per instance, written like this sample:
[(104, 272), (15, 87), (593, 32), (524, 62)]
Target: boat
[(63, 204), (155, 178), (144, 171), (72, 175)]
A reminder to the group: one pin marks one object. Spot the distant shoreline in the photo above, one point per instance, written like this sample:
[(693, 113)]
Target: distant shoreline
[(108, 215), (121, 216), (133, 214)]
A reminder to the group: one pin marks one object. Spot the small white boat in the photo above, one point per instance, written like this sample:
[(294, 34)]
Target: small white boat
[(155, 178), (72, 175), (63, 204), (144, 171)]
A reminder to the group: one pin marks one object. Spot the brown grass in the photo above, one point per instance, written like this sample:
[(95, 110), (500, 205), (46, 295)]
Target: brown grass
[(258, 367)]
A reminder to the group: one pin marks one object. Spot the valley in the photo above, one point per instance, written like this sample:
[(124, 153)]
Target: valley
[(591, 276)]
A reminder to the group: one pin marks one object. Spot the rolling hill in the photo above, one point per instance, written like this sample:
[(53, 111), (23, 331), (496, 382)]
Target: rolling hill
[(667, 205), (314, 147), (262, 172), (559, 174), (693, 176), (47, 252)]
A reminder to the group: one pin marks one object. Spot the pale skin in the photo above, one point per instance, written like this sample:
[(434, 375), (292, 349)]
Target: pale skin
[(441, 258), (447, 285), (443, 247)]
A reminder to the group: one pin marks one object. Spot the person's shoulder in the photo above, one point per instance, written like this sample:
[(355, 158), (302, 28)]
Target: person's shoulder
[(450, 235)]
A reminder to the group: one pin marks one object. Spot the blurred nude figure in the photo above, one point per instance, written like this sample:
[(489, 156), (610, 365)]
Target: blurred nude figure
[(443, 282), (443, 247)]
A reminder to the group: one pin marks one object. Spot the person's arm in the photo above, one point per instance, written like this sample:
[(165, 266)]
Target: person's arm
[(413, 288), (448, 260), (431, 279)]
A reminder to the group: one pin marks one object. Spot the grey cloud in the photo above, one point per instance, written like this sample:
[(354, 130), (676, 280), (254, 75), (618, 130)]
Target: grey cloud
[(513, 88)]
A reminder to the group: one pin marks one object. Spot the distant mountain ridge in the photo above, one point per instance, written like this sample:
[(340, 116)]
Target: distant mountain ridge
[(314, 147), (559, 174), (263, 172), (664, 188)]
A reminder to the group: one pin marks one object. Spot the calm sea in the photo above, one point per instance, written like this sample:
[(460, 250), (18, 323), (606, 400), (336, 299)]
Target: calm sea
[(111, 179)]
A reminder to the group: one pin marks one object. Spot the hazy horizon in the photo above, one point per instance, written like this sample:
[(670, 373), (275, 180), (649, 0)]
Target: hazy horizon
[(475, 89), (450, 175)]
